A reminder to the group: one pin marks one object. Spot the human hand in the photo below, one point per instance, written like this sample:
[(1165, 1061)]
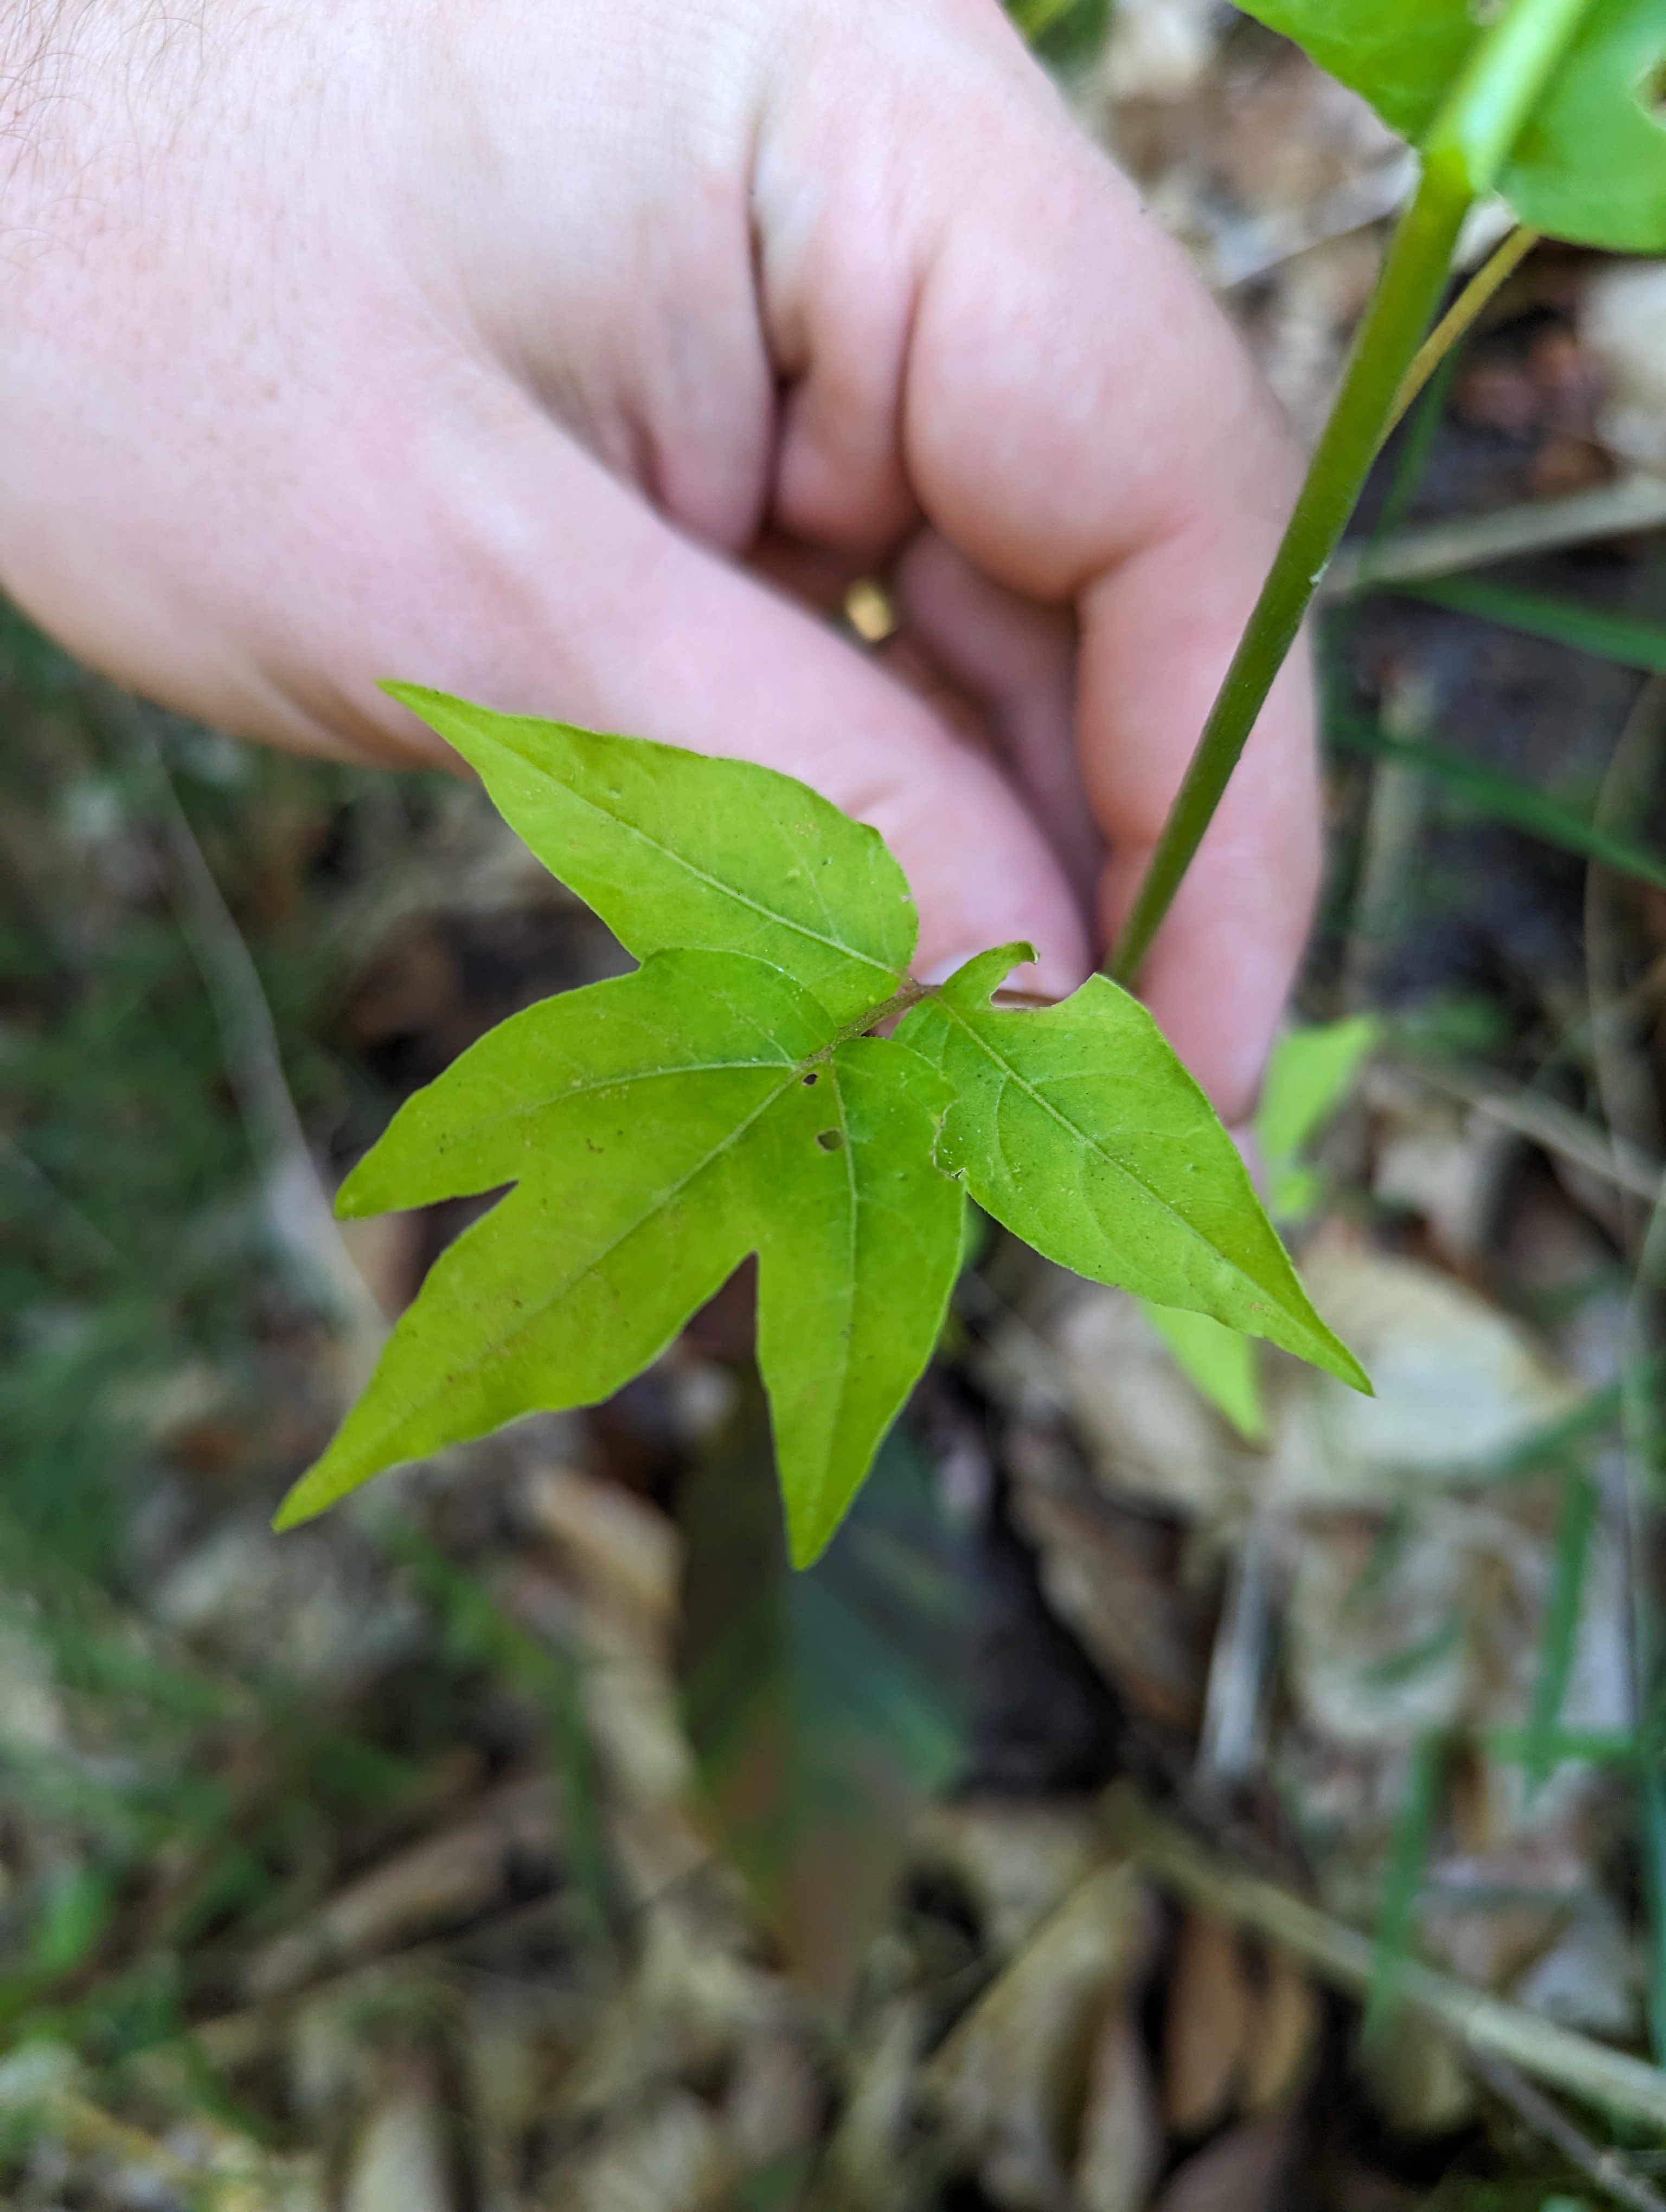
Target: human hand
[(515, 350)]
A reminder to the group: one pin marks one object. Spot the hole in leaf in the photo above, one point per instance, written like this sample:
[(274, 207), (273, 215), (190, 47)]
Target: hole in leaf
[(829, 1139)]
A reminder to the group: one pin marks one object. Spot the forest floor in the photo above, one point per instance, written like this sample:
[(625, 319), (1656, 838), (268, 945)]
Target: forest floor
[(1129, 1813)]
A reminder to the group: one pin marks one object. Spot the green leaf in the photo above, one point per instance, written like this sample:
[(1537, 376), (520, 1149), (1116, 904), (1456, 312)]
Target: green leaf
[(1077, 1127), (657, 1128), (822, 1708), (674, 849), (1309, 1074), (1218, 1362), (1402, 55), (1591, 164), (855, 1266), (653, 1131), (1589, 167)]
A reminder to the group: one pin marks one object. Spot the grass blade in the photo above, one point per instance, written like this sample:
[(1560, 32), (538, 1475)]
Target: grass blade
[(1488, 792), (1409, 1857), (1606, 636), (1575, 1525)]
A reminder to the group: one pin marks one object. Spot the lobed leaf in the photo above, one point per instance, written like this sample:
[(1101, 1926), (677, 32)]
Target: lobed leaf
[(657, 1128), (676, 849), (1077, 1127), (653, 1131), (1591, 164)]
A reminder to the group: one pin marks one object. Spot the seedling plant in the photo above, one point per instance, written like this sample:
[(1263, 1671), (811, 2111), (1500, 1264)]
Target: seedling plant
[(771, 1080)]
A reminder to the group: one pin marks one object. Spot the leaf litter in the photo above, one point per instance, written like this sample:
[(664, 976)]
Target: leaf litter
[(403, 1869)]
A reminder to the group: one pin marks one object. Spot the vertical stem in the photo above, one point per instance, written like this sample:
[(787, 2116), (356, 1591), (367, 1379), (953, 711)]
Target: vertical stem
[(1400, 313), (1499, 86)]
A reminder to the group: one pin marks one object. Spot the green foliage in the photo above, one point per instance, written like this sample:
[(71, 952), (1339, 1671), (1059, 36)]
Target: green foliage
[(724, 1099), (1591, 165), (1309, 1074), (1576, 1525), (1622, 638), (1216, 1361), (659, 1128), (675, 850), (1077, 1127), (1064, 33)]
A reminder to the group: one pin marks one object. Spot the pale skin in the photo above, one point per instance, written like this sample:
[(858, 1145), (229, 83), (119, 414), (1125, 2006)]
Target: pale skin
[(562, 355)]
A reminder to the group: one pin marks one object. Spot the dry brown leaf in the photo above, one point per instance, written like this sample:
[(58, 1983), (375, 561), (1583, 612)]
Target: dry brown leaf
[(1010, 2078), (1111, 1577), (671, 2157), (688, 2006), (1151, 1436), (1418, 2078), (773, 2104), (316, 1610), (623, 1550), (863, 2155), (624, 1558), (1205, 2024), (1120, 2148), (1622, 328), (1436, 1157), (1284, 2036), (399, 2162), (1016, 1859), (1591, 1977), (438, 1883), (513, 2059), (1160, 49), (1458, 1383), (1241, 2173)]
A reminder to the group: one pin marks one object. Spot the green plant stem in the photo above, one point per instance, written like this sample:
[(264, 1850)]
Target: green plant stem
[(1471, 139), (1400, 314)]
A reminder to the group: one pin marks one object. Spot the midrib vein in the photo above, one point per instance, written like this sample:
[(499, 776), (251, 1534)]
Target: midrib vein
[(1085, 1137), (743, 898)]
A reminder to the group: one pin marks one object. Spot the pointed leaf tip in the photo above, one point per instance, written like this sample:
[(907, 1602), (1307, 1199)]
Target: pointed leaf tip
[(1078, 1127), (679, 849)]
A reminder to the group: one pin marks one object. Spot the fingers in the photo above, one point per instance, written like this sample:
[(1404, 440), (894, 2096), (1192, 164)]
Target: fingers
[(1077, 421), (1015, 658), (650, 633)]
